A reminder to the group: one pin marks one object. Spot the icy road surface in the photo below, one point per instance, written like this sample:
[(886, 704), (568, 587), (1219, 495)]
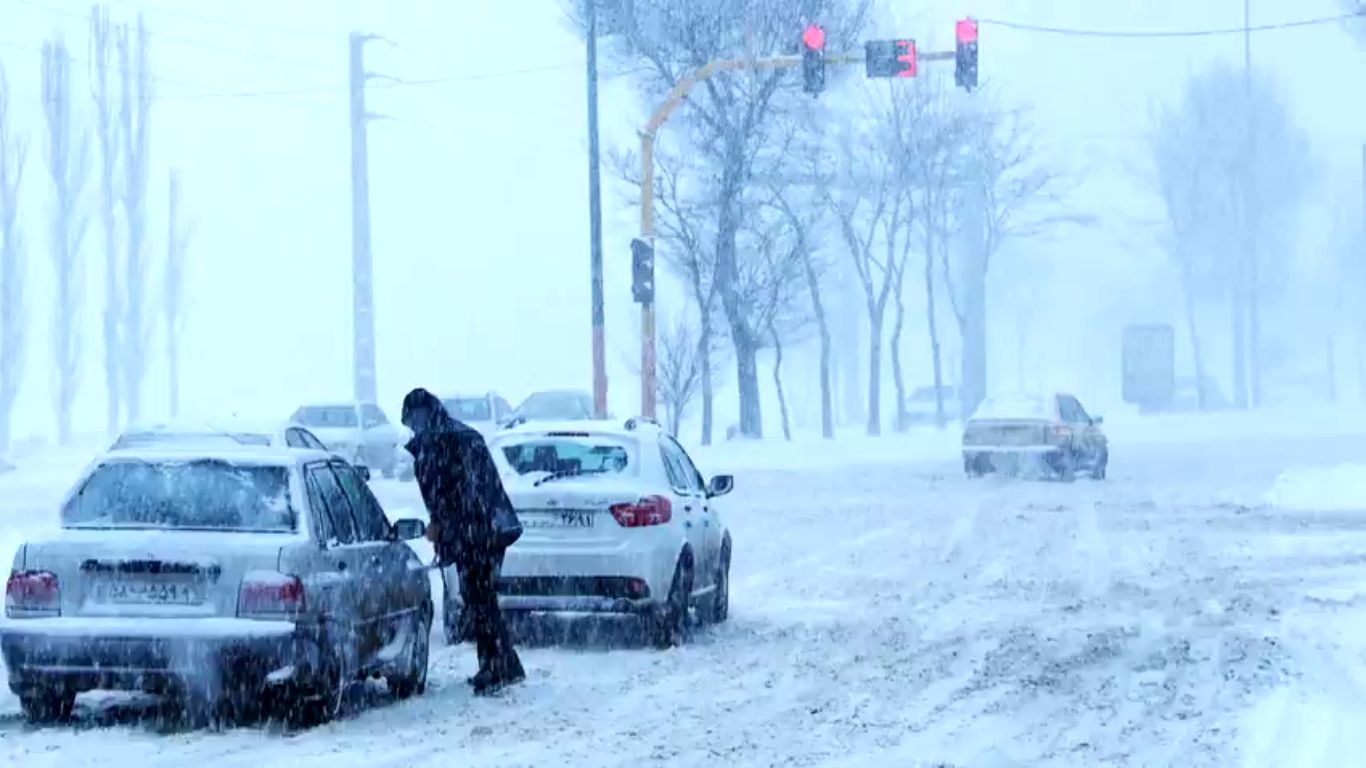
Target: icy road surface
[(904, 615)]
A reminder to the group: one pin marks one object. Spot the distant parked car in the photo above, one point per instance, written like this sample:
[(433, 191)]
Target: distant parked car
[(358, 431), (220, 433), (921, 406), (482, 412), (227, 576), (553, 405), (1051, 432)]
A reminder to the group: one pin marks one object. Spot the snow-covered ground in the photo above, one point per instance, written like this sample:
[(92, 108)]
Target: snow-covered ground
[(1202, 607)]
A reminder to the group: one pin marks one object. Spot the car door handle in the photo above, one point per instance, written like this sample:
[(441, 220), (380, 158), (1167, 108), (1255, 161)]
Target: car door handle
[(375, 560), (341, 565)]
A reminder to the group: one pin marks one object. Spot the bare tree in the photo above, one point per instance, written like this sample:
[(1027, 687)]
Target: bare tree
[(67, 158), (13, 153), (732, 115), (781, 295), (1209, 185), (134, 105), (680, 369), (1005, 192), (813, 269), (100, 62), (173, 292)]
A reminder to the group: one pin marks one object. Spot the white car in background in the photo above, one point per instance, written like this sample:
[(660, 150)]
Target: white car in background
[(361, 432), (481, 412), (922, 406), (616, 520), (232, 577), (220, 433)]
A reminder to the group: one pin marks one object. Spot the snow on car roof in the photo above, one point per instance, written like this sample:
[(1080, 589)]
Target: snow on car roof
[(231, 424), (276, 456), (1015, 407)]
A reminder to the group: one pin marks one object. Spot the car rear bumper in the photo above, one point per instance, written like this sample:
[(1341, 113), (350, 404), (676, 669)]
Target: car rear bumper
[(631, 581), (130, 654)]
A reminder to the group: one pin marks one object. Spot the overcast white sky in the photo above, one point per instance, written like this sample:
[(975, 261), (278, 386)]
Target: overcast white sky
[(479, 186)]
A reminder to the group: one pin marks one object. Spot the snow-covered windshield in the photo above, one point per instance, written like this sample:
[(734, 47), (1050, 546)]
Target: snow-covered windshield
[(326, 416), (1014, 407), (197, 494), (568, 456), (469, 408)]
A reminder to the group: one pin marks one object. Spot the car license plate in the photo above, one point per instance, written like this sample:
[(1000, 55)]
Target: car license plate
[(137, 592), (558, 519)]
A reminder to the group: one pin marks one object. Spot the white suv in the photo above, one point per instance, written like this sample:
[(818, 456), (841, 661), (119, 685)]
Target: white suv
[(617, 519)]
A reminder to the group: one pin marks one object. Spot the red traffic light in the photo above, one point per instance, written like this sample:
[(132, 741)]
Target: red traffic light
[(966, 31), (814, 38)]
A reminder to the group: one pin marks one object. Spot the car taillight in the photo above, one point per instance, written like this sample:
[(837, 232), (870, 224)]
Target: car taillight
[(651, 510), (32, 593), (270, 596)]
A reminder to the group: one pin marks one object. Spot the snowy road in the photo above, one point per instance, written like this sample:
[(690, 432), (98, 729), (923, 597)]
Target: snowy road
[(903, 615)]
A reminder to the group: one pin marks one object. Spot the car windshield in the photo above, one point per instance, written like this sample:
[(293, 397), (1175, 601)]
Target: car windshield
[(469, 408), (568, 456), (556, 405), (1014, 407), (326, 416), (198, 494)]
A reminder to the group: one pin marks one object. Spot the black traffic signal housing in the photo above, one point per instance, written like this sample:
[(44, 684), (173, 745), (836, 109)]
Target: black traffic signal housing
[(889, 58), (813, 59), (965, 60), (642, 271)]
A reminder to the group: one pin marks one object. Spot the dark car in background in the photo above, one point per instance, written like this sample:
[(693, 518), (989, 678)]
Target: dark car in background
[(1050, 433)]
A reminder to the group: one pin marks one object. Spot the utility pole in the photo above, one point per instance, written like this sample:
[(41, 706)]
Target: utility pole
[(1250, 200), (362, 261), (595, 222)]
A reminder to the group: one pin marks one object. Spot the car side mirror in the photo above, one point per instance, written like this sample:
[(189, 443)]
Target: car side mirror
[(409, 529), (721, 485), (1098, 420), (364, 473)]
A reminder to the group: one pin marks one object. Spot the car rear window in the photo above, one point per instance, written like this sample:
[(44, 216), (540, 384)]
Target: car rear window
[(326, 416), (568, 455), (548, 406), (1014, 407), (469, 409), (199, 494)]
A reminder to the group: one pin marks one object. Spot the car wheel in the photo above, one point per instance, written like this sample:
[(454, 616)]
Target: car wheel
[(668, 626), (1102, 465), (717, 608), (414, 678), (47, 705), (1067, 467)]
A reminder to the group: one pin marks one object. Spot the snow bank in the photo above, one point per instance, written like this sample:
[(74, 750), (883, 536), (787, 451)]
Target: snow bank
[(810, 452), (1325, 489)]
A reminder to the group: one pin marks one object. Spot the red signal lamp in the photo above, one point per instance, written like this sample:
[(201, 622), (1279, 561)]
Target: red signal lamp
[(814, 37), (966, 31)]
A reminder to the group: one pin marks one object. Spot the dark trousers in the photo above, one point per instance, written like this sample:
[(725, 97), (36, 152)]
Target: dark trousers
[(478, 590)]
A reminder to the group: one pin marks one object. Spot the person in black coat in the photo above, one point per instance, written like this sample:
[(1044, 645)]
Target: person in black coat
[(472, 524)]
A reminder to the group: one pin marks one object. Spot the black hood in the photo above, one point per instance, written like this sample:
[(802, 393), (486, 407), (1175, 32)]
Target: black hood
[(420, 399)]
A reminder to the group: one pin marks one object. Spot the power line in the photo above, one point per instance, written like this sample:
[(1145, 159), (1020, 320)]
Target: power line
[(1215, 32)]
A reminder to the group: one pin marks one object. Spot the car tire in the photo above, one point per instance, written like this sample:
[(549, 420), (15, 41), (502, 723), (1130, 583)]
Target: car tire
[(1102, 465), (669, 624), (717, 608), (47, 704), (413, 680), (1067, 467)]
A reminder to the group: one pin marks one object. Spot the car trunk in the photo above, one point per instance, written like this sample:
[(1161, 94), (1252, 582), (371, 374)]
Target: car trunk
[(153, 573), (571, 511), (1009, 432)]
